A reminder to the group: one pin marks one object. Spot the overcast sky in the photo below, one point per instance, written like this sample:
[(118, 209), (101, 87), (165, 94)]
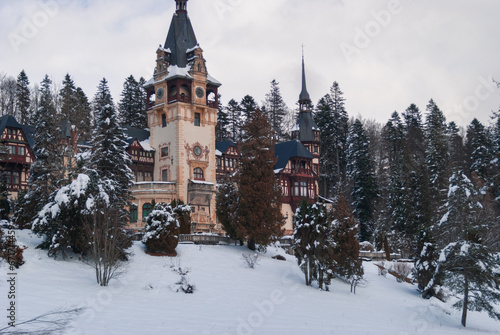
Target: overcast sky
[(385, 54)]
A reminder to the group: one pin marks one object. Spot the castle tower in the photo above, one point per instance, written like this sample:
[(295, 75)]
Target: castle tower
[(182, 116), (306, 130)]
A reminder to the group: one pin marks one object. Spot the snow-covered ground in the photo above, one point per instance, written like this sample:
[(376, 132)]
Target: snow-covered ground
[(230, 298)]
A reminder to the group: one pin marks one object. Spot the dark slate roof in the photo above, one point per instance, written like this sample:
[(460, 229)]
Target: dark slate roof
[(304, 95), (136, 133), (222, 146), (10, 121), (180, 38), (306, 126), (288, 150)]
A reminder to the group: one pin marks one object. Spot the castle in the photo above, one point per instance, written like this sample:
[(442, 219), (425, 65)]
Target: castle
[(177, 157)]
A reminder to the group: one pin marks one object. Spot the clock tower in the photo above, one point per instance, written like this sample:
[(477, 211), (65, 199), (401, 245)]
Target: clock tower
[(182, 115)]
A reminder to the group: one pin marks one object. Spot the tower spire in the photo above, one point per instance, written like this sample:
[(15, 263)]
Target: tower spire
[(181, 6), (304, 98)]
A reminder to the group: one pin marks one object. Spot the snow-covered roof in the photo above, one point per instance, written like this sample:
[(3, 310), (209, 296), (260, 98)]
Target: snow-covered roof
[(146, 145), (193, 48), (213, 81), (175, 71), (218, 153), (200, 182)]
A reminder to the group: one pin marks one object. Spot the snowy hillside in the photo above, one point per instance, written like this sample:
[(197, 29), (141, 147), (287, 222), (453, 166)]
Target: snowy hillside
[(230, 298)]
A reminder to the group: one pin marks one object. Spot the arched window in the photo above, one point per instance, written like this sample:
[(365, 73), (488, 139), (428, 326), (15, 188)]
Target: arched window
[(133, 213), (198, 174), (146, 210)]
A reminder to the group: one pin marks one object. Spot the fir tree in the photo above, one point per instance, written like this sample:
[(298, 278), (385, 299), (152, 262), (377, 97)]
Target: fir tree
[(361, 172), (436, 155), (479, 148), (456, 149), (222, 128), (23, 101), (101, 99), (248, 107), (345, 230), (227, 208), (234, 115), (494, 184), (68, 100), (259, 214), (332, 120), (83, 119), (132, 106), (162, 230), (276, 110)]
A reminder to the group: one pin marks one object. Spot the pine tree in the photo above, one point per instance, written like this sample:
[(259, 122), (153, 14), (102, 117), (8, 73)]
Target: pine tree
[(456, 148), (436, 155), (361, 172), (83, 119), (259, 213), (227, 208), (313, 244), (276, 110), (67, 95), (332, 120), (101, 99), (248, 107), (345, 230), (425, 262), (132, 106), (46, 171), (234, 115), (479, 148), (469, 269), (494, 184), (23, 101), (222, 128), (161, 234)]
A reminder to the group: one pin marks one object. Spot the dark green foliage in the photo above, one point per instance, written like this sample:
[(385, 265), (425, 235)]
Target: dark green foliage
[(471, 271), (83, 120), (23, 101), (161, 234), (183, 213), (479, 149), (276, 110), (259, 211), (222, 132), (332, 120), (313, 243), (132, 106), (235, 121), (227, 208), (425, 262), (361, 172)]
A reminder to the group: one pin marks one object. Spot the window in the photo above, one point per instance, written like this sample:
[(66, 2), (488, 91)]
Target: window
[(133, 213), (11, 149), (164, 175), (148, 176), (164, 152), (15, 178), (21, 151), (163, 120), (296, 189), (302, 164), (303, 189), (197, 119), (198, 174), (146, 210)]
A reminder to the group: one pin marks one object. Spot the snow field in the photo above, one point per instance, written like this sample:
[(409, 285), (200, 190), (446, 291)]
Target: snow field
[(230, 298)]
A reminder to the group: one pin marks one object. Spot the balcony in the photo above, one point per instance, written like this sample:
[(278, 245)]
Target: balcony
[(149, 187)]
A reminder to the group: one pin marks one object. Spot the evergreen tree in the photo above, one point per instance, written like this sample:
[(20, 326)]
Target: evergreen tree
[(68, 100), (332, 120), (222, 128), (361, 172), (162, 230), (4, 186), (469, 269), (479, 149), (494, 184), (234, 114), (23, 101), (436, 155), (132, 106), (248, 107), (227, 208), (276, 110), (83, 119), (456, 148), (108, 156), (313, 244), (102, 98), (345, 230), (46, 171), (259, 214)]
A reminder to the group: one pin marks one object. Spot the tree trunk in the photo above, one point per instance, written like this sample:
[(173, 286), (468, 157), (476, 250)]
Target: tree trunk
[(386, 249), (251, 244), (466, 300)]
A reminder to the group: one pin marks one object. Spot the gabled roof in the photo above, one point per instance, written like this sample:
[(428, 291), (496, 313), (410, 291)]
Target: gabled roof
[(288, 150), (180, 39), (136, 133), (222, 146), (10, 121)]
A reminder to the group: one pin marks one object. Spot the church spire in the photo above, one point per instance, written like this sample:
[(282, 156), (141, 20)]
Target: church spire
[(304, 98)]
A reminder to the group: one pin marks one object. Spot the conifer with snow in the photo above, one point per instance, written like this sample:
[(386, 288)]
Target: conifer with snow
[(132, 106), (161, 233), (23, 102)]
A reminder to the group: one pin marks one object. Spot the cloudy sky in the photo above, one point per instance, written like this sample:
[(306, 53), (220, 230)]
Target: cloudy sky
[(385, 54)]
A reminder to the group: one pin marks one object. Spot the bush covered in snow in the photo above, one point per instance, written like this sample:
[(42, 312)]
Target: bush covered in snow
[(162, 229)]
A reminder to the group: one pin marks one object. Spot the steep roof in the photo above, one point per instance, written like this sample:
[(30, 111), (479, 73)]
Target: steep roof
[(288, 150), (305, 126), (10, 121), (304, 95), (180, 39), (222, 146), (136, 133)]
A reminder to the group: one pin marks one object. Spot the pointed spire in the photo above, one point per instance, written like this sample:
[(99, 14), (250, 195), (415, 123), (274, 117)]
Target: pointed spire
[(304, 98)]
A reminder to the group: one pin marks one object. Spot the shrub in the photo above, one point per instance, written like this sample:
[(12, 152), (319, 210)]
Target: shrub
[(162, 230), (251, 260), (11, 251), (403, 270)]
